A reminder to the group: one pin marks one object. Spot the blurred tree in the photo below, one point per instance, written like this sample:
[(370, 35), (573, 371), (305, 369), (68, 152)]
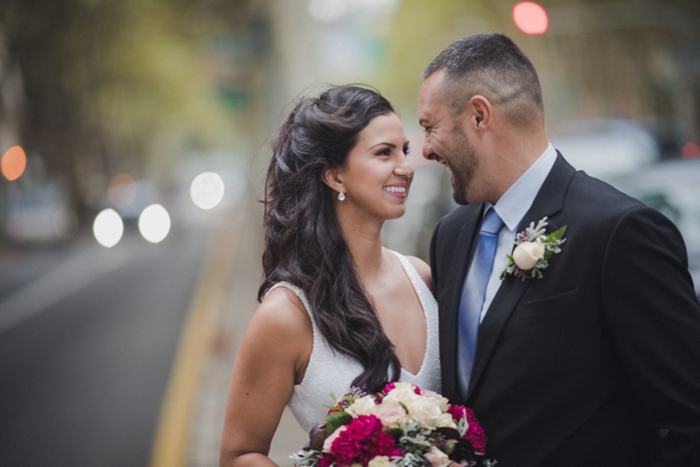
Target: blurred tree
[(117, 85)]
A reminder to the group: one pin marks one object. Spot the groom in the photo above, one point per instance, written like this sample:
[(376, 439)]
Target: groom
[(597, 362)]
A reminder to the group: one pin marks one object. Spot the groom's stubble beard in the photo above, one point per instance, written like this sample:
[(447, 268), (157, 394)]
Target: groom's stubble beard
[(463, 161)]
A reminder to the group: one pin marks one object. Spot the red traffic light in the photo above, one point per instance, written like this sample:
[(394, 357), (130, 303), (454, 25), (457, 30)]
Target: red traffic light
[(530, 18)]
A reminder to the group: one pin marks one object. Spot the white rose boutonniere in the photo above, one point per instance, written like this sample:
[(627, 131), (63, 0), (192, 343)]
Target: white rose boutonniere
[(533, 249)]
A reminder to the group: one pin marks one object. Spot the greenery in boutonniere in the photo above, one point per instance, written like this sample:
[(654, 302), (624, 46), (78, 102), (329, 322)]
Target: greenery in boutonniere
[(533, 249)]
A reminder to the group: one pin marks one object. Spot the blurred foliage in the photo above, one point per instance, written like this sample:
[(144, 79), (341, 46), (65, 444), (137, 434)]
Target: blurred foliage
[(636, 59), (109, 86), (118, 85)]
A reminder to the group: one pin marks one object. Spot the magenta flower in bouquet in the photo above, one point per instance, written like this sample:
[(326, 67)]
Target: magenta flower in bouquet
[(402, 426)]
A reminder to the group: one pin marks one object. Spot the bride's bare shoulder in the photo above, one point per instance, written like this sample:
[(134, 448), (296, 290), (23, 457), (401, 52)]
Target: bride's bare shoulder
[(423, 270), (282, 311), (279, 333)]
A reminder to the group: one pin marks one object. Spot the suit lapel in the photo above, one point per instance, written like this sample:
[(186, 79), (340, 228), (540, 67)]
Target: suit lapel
[(548, 202), (449, 316)]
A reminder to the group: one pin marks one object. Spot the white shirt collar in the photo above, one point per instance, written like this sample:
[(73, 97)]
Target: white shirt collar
[(518, 199)]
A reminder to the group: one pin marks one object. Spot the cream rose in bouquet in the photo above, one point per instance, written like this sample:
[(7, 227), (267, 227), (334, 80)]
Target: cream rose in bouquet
[(399, 427)]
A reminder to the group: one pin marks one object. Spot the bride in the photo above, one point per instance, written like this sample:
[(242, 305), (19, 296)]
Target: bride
[(337, 308)]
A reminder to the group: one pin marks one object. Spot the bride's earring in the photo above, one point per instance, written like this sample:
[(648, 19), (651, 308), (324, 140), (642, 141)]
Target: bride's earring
[(341, 195)]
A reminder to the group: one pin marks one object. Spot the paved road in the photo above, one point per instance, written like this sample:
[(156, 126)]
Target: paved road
[(87, 337)]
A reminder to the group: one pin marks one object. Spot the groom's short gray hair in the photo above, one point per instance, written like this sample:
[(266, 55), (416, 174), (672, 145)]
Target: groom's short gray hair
[(492, 65)]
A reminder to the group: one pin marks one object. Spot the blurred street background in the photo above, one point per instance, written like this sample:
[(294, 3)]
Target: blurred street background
[(133, 144)]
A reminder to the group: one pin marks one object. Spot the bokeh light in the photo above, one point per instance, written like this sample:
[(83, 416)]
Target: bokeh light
[(121, 191), (108, 228), (530, 18), (154, 223), (689, 150), (13, 163), (207, 190)]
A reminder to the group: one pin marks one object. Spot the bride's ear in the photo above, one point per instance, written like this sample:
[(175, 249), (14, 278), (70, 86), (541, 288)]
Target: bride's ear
[(331, 179)]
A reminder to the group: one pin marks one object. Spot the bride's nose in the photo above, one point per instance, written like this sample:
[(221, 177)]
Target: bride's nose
[(404, 169)]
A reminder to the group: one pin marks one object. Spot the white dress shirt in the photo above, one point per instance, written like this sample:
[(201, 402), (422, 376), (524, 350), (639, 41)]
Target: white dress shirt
[(511, 208)]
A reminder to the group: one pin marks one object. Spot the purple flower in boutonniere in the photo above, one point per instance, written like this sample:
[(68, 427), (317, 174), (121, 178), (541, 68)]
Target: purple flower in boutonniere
[(533, 249)]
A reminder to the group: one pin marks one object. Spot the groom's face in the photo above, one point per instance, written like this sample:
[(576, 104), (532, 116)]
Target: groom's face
[(463, 162), (445, 140)]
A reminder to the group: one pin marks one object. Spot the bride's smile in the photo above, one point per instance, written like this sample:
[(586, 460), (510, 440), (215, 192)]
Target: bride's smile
[(397, 190)]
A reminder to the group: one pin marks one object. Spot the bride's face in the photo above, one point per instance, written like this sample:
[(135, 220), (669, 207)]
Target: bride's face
[(377, 175)]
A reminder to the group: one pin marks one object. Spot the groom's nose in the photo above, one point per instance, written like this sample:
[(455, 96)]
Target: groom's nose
[(428, 152)]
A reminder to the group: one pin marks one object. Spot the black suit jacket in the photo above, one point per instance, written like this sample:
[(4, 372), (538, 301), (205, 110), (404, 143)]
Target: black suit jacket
[(595, 364)]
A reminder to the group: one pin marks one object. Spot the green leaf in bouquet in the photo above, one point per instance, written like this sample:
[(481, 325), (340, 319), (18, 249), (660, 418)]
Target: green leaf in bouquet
[(394, 432), (449, 446), (336, 420)]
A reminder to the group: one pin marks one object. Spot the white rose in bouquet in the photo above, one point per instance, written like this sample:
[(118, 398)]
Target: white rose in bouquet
[(426, 412), (403, 393), (381, 461), (442, 401), (363, 406), (445, 421), (391, 414)]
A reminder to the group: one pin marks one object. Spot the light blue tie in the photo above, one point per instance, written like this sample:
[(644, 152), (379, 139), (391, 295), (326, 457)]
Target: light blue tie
[(473, 295)]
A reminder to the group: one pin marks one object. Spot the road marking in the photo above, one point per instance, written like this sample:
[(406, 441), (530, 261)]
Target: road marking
[(74, 274), (172, 439)]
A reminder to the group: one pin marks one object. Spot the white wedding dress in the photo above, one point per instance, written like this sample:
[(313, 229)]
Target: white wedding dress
[(329, 372)]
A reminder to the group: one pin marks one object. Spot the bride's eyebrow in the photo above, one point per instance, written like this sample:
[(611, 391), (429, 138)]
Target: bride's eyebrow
[(391, 145)]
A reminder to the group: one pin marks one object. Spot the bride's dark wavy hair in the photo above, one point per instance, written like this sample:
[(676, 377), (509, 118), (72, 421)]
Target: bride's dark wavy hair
[(304, 244)]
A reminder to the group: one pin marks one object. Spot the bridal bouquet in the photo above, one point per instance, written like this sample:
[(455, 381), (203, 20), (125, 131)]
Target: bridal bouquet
[(401, 426)]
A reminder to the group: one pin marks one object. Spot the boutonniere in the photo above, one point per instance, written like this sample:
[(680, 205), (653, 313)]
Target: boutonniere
[(533, 248)]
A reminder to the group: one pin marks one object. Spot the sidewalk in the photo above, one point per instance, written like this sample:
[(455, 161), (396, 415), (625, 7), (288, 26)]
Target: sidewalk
[(239, 304)]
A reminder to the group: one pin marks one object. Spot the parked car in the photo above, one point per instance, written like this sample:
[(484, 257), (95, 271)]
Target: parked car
[(672, 187), (606, 147), (38, 213)]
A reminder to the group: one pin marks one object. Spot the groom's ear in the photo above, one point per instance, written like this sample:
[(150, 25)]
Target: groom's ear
[(330, 177), (478, 112)]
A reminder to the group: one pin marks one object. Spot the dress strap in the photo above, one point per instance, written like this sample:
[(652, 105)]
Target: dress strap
[(299, 293), (415, 278)]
